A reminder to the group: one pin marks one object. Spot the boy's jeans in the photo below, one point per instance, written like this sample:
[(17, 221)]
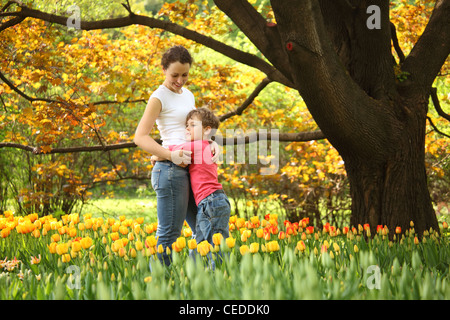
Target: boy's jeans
[(213, 216), (175, 203)]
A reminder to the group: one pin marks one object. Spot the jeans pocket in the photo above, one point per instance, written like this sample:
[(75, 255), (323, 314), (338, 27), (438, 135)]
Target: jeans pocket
[(156, 173)]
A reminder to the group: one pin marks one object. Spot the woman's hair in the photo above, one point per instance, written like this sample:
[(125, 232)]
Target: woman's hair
[(206, 116), (176, 54)]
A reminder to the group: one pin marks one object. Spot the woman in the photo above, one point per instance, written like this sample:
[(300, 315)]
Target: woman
[(168, 107)]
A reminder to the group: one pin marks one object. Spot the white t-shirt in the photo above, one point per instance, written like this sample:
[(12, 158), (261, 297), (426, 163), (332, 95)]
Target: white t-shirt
[(171, 121)]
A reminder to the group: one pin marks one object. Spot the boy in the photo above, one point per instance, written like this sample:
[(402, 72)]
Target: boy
[(213, 205)]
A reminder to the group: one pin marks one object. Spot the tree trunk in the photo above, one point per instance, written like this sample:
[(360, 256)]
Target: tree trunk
[(394, 191)]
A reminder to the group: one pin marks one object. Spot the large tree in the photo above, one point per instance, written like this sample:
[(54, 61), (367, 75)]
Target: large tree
[(337, 54)]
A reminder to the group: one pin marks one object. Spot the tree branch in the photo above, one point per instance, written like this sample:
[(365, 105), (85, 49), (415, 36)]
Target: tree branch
[(436, 128), (247, 102), (263, 35), (433, 47), (282, 137), (235, 54), (396, 45), (437, 105)]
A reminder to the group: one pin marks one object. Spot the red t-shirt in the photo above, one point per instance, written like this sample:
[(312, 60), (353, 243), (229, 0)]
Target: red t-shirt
[(202, 171)]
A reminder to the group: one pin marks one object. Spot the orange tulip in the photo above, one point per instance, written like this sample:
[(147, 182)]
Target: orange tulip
[(122, 252), (5, 232), (281, 235)]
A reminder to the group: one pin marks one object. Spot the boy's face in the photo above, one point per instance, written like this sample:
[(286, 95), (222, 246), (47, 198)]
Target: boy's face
[(195, 130)]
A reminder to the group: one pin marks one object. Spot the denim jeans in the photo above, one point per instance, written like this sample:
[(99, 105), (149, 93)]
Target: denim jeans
[(175, 204), (213, 216)]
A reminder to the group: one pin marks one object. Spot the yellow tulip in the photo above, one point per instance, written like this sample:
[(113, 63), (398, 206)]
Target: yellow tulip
[(336, 247), (181, 242), (62, 248), (76, 246), (230, 241), (86, 243), (192, 244), (133, 253), (301, 246), (254, 247), (36, 233), (203, 248), (217, 238), (187, 232), (123, 230), (175, 247), (56, 237), (244, 249), (272, 246), (139, 246), (355, 248), (260, 233), (51, 247), (150, 241), (65, 258)]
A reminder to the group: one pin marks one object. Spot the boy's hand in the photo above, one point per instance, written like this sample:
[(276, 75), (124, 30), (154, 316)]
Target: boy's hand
[(181, 157), (216, 151)]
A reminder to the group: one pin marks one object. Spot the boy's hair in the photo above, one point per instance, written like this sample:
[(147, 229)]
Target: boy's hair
[(176, 54), (207, 117)]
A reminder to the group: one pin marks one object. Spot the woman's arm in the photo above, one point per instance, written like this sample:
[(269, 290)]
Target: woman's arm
[(147, 143)]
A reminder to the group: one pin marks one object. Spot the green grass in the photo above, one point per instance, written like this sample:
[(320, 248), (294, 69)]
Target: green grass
[(115, 207)]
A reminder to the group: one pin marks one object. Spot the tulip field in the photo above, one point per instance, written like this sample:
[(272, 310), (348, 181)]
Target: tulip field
[(83, 257)]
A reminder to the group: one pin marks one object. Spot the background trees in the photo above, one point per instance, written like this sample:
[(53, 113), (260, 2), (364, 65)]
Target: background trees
[(66, 88)]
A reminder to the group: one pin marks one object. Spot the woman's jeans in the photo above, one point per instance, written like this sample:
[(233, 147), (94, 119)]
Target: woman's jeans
[(175, 204)]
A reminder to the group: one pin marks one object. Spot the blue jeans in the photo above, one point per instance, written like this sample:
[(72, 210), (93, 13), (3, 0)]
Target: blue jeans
[(175, 204), (213, 216)]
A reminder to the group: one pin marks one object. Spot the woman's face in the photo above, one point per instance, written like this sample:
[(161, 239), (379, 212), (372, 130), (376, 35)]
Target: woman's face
[(177, 75)]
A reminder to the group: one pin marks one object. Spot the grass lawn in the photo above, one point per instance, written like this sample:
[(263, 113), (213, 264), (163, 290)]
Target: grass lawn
[(115, 207)]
